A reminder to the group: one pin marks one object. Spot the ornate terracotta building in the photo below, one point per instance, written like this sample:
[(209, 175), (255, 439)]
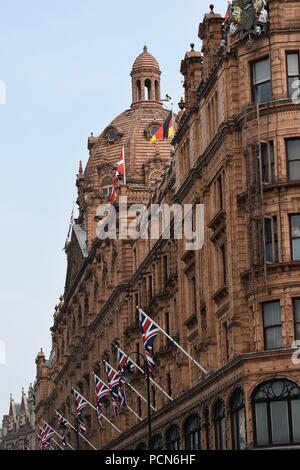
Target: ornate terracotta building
[(234, 305)]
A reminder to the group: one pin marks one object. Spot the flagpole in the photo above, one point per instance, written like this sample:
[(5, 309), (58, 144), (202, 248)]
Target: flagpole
[(123, 154), (58, 435), (151, 380), (175, 343), (74, 429), (55, 442), (104, 417), (132, 388)]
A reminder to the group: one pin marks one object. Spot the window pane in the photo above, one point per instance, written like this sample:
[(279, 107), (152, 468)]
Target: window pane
[(296, 419), (294, 170), (293, 147), (295, 226), (293, 64), (262, 434), (263, 92), (280, 422), (261, 71), (242, 429), (273, 338), (296, 249), (235, 431), (297, 310), (272, 313), (223, 428), (294, 90)]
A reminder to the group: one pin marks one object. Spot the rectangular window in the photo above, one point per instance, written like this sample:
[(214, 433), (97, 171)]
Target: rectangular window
[(267, 162), (219, 195), (293, 158), (296, 304), (193, 293), (261, 76), (293, 74), (169, 384), (226, 343), (224, 263), (150, 287), (165, 268), (139, 406), (272, 325), (295, 236), (167, 323), (271, 240)]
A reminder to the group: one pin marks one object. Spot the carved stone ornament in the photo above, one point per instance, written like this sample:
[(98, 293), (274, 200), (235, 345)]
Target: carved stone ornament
[(248, 18)]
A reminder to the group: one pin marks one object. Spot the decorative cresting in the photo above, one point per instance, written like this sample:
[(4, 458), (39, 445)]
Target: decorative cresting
[(248, 18)]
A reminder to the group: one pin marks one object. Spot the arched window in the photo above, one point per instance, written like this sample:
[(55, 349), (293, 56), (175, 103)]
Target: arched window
[(238, 420), (192, 434), (276, 409), (148, 91), (141, 446), (220, 425), (156, 442), (173, 438)]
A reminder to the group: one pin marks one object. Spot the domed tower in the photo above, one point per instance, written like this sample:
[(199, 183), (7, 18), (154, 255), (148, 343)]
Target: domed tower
[(132, 130), (145, 76)]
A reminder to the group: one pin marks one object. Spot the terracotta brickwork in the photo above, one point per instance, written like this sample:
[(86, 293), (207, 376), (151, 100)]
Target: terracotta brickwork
[(213, 301)]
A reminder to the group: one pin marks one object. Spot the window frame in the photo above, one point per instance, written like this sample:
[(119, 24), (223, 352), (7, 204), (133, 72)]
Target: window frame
[(271, 327), (294, 299), (268, 401), (253, 85), (287, 140), (270, 164), (219, 422), (291, 236), (174, 442), (287, 53), (274, 243), (190, 434), (234, 414)]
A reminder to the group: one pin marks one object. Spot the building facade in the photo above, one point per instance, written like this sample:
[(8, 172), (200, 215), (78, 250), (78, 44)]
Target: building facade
[(18, 427), (234, 305)]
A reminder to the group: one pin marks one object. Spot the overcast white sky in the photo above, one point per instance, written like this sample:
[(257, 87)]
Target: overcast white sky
[(66, 65)]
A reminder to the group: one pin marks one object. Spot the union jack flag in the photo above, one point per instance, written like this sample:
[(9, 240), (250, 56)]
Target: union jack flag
[(114, 383), (124, 363), (115, 405), (102, 390), (149, 332), (80, 401), (99, 414), (46, 435), (80, 406), (63, 424), (81, 423)]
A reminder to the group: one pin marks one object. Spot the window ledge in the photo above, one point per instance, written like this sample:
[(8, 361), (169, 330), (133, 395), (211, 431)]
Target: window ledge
[(222, 292)]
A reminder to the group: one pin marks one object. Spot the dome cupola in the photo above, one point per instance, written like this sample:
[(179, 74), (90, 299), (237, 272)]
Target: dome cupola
[(145, 76)]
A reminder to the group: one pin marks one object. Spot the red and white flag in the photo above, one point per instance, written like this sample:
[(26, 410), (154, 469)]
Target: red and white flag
[(120, 174)]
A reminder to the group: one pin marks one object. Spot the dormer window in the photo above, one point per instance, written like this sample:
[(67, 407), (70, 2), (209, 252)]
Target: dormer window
[(112, 136)]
